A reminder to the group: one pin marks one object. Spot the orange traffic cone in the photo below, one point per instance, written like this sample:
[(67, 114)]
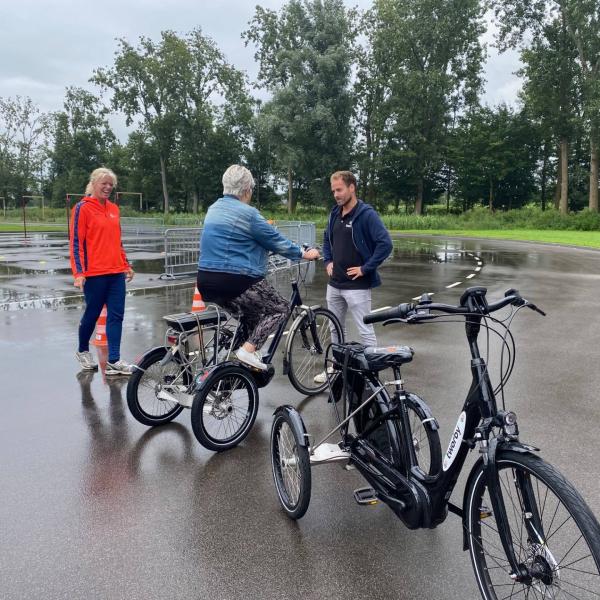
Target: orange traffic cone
[(198, 304), (100, 337)]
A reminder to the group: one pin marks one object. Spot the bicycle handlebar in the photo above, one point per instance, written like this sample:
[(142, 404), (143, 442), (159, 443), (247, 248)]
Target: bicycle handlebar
[(397, 312), (421, 311)]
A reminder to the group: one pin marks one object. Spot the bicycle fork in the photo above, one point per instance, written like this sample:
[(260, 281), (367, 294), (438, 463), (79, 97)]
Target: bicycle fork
[(489, 446), (520, 573)]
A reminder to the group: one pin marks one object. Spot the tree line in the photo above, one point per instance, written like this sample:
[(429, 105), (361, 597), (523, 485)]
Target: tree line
[(392, 93)]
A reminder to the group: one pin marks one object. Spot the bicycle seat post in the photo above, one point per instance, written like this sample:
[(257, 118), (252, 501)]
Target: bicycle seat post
[(397, 382)]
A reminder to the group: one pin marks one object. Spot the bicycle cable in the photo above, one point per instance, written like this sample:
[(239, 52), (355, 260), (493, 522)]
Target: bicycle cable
[(507, 344)]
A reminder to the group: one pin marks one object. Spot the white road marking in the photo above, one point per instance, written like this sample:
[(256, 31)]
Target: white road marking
[(380, 309), (454, 284)]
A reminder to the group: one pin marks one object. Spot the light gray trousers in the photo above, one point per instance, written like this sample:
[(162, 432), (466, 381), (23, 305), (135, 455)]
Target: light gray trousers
[(359, 303)]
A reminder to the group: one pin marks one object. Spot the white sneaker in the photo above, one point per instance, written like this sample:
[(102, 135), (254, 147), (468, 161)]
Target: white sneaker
[(118, 368), (322, 376), (86, 361), (251, 358)]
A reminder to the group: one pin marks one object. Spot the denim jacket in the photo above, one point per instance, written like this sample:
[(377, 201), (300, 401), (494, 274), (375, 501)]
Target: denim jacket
[(236, 238)]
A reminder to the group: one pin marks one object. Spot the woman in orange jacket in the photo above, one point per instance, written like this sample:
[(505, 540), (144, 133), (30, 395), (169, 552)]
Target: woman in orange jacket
[(100, 268)]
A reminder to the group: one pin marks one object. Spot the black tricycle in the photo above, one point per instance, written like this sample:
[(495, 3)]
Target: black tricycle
[(528, 530)]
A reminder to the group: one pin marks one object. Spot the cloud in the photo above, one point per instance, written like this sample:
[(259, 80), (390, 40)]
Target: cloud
[(48, 45)]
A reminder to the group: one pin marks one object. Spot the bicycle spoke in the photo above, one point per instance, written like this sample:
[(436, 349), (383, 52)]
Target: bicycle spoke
[(290, 474), (309, 342), (548, 538), (227, 409), (594, 592)]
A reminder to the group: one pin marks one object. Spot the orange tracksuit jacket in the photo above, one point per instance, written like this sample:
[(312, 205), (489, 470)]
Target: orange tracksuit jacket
[(95, 239)]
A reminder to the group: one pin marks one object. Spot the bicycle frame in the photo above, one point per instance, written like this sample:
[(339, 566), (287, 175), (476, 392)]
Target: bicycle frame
[(421, 500), (294, 301), (262, 378)]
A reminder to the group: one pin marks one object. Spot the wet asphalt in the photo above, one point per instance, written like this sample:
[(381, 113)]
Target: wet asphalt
[(95, 505)]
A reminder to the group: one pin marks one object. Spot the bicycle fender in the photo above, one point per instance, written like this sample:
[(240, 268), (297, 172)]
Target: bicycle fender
[(519, 447), (433, 424), (296, 422), (505, 445), (150, 351), (295, 325), (142, 356)]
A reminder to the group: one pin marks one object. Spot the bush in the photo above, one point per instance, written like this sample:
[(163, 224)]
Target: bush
[(529, 217), (479, 217)]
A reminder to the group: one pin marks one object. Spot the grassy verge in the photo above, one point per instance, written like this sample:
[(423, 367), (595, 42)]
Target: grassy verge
[(14, 227), (588, 239)]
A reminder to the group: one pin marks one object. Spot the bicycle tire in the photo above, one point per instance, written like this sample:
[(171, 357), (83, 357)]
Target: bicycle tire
[(305, 360), (425, 439), (386, 437), (291, 467), (562, 564), (225, 408), (145, 384)]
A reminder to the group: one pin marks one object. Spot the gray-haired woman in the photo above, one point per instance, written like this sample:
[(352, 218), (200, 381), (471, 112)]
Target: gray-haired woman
[(234, 248)]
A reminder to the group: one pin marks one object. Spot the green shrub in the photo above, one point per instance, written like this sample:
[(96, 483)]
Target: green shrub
[(479, 217)]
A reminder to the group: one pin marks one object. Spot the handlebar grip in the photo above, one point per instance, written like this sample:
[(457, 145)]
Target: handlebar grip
[(397, 312)]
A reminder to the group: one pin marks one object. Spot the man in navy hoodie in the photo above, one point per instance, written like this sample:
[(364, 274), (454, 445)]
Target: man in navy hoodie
[(355, 243)]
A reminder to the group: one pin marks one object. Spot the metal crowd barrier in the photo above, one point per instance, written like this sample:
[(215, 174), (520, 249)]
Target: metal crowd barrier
[(182, 247), (182, 250)]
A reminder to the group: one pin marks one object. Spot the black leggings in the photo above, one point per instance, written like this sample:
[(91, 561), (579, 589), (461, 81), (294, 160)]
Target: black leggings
[(262, 310)]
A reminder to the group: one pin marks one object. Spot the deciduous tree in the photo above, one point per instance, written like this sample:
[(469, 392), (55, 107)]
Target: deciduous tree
[(305, 56)]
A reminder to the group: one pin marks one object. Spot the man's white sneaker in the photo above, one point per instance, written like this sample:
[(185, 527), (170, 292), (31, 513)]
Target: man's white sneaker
[(322, 376), (86, 361), (119, 367), (251, 358)]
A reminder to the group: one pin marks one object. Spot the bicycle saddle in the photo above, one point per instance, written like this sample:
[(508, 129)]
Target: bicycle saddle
[(190, 321), (372, 359), (388, 356)]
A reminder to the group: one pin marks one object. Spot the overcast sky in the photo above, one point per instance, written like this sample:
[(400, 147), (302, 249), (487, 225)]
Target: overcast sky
[(48, 45)]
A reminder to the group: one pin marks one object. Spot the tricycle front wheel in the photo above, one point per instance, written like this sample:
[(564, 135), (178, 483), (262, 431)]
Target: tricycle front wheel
[(291, 465)]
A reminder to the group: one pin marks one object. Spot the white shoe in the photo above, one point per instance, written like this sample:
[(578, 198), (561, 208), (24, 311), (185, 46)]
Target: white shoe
[(322, 376), (119, 367), (86, 361), (251, 358)]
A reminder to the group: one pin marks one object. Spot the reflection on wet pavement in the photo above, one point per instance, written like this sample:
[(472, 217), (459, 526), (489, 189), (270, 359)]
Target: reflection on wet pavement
[(95, 505), (35, 272), (38, 275)]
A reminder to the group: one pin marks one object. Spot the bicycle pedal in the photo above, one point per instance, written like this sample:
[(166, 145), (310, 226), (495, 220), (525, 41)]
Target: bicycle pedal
[(366, 496)]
